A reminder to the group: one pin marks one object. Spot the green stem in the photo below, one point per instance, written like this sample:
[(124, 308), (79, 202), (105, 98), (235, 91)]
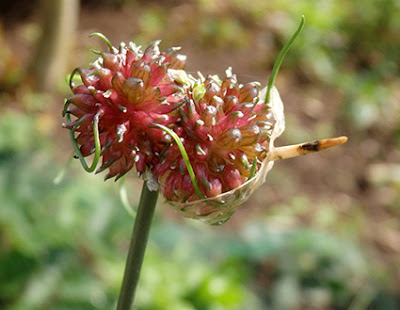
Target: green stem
[(279, 60), (137, 248)]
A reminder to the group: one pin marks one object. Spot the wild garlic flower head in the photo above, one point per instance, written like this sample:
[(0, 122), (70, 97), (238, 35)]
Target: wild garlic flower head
[(124, 93), (207, 143), (227, 130)]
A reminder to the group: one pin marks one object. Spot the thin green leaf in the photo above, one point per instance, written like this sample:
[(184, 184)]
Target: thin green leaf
[(280, 58)]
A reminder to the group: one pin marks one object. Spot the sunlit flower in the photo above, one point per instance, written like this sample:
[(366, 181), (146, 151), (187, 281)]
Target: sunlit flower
[(127, 91), (205, 143)]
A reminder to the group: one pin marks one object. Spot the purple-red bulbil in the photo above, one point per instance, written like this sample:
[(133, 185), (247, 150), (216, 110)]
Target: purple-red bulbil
[(130, 90), (225, 129)]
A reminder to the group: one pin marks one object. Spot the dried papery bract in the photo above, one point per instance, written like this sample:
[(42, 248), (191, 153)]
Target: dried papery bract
[(289, 151)]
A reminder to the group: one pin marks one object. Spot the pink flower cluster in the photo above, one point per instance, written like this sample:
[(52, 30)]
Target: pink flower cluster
[(225, 127)]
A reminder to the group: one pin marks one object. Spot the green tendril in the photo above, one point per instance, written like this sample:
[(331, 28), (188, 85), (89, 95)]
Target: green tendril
[(97, 146), (123, 196), (66, 105), (280, 58), (185, 157), (72, 76), (96, 52), (103, 37), (253, 168)]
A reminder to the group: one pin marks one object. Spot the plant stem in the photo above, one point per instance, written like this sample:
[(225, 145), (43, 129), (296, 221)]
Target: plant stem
[(140, 234)]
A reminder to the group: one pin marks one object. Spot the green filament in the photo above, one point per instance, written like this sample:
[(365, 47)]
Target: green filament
[(185, 158), (102, 36), (280, 58), (97, 146), (70, 80), (253, 168)]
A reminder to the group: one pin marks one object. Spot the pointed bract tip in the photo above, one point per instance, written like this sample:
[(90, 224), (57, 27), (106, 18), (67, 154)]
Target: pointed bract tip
[(327, 143), (290, 151)]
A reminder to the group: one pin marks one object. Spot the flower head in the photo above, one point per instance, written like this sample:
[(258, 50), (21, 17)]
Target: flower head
[(126, 91), (208, 143), (227, 130)]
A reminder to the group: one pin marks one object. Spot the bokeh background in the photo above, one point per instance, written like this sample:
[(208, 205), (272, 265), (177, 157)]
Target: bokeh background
[(322, 233)]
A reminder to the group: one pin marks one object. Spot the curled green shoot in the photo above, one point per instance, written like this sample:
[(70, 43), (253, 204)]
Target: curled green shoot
[(97, 146), (96, 52), (71, 84), (253, 168), (185, 157), (66, 105), (280, 58), (103, 37)]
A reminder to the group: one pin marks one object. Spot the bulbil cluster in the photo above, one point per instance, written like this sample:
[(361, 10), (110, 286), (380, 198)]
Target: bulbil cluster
[(226, 130), (127, 97), (128, 91), (208, 143)]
